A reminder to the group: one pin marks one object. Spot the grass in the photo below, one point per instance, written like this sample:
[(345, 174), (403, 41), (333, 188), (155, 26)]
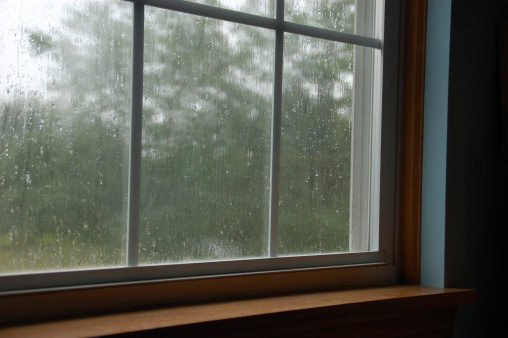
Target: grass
[(52, 253)]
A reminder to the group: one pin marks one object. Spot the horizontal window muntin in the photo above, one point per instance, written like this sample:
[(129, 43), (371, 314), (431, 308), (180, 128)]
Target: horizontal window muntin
[(178, 269), (263, 22)]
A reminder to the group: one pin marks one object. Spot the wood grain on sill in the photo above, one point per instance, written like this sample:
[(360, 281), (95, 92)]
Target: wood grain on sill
[(355, 303)]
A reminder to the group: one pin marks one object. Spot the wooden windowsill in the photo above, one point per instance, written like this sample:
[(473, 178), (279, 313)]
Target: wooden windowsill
[(354, 306)]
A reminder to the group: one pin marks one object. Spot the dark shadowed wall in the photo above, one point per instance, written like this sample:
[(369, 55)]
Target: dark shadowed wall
[(476, 211)]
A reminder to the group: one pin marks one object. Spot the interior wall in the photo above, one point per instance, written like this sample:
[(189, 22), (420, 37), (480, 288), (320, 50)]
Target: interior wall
[(477, 180), (437, 56)]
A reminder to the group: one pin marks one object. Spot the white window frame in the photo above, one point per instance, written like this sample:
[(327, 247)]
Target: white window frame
[(373, 191)]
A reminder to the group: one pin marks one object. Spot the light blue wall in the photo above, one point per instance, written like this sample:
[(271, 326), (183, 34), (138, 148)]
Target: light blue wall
[(435, 143)]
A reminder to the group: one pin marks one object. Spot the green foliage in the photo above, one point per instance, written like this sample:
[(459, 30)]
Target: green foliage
[(52, 193), (206, 144), (40, 42)]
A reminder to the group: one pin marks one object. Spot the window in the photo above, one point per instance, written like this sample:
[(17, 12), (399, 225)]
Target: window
[(253, 141)]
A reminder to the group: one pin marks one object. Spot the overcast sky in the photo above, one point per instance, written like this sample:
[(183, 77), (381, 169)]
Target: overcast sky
[(18, 69)]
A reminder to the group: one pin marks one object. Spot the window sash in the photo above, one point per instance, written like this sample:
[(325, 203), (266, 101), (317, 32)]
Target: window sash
[(133, 272)]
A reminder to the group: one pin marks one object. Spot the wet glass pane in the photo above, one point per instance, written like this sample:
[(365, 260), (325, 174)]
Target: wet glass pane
[(64, 112), (315, 146), (206, 139), (338, 15), (258, 7)]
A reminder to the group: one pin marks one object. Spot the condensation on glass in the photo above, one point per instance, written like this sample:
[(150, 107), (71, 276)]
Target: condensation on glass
[(206, 139), (64, 111), (316, 146), (65, 93)]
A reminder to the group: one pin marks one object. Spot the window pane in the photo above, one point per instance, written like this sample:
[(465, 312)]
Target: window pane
[(206, 141), (340, 15), (64, 110), (258, 7), (316, 146)]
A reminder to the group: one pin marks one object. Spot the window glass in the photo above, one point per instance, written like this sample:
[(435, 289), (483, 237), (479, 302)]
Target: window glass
[(316, 146), (206, 141), (64, 116)]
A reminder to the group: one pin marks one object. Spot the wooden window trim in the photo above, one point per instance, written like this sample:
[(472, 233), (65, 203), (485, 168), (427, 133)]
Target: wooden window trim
[(415, 23), (380, 312)]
